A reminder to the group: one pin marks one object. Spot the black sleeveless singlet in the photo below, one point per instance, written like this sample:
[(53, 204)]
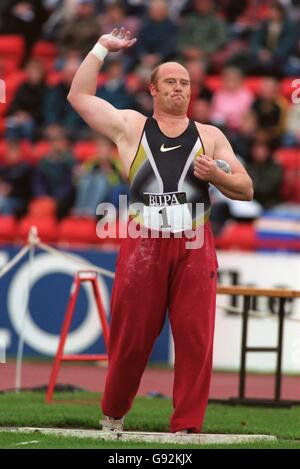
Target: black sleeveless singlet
[(165, 165)]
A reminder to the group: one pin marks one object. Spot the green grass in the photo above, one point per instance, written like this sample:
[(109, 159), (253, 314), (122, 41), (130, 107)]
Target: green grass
[(39, 441), (81, 410)]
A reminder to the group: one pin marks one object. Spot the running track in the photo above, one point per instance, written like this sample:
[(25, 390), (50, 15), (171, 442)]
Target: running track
[(92, 377)]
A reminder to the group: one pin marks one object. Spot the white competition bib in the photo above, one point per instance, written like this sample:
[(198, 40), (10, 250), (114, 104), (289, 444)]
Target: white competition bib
[(167, 212)]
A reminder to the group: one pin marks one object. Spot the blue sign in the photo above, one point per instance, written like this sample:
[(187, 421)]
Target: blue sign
[(51, 279)]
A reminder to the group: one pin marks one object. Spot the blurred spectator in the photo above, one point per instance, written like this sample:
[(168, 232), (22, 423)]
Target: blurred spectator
[(199, 91), (176, 8), (266, 174), (239, 30), (25, 114), (115, 16), (99, 180), (202, 32), (135, 7), (233, 9), (53, 174), (158, 36), (271, 43), (143, 98), (114, 89), (60, 11), (291, 136), (57, 108), (200, 111), (292, 65), (267, 177), (242, 140), (270, 109), (231, 101), (15, 181), (25, 18), (292, 8), (80, 32)]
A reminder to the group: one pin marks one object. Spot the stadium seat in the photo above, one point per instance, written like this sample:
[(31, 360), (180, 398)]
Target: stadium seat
[(289, 158), (2, 125), (53, 77), (239, 236), (46, 52), (78, 230), (13, 81), (47, 228), (213, 82), (85, 150), (102, 77), (133, 82), (253, 84), (8, 227), (25, 149), (287, 87), (8, 65), (2, 148), (119, 229), (39, 150), (290, 189), (12, 46), (42, 207)]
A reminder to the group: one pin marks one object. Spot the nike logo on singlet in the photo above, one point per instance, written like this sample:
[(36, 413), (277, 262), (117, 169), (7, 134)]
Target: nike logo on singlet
[(163, 149)]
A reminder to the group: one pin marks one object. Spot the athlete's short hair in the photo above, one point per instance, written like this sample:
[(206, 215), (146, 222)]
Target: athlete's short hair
[(153, 77)]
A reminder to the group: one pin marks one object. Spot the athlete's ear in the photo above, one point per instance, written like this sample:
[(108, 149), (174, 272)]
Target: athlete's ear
[(152, 89)]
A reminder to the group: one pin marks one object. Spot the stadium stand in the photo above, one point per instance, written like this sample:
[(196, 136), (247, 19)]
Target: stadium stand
[(47, 50)]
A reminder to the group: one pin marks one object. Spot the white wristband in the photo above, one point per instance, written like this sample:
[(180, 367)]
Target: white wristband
[(99, 51)]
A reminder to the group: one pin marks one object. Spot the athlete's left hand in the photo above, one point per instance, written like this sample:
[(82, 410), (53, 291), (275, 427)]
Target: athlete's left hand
[(205, 168)]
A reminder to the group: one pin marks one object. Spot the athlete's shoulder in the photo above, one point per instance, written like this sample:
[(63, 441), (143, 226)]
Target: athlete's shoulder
[(134, 122), (132, 115), (211, 137), (209, 130)]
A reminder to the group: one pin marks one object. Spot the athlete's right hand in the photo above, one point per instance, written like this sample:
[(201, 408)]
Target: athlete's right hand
[(116, 40)]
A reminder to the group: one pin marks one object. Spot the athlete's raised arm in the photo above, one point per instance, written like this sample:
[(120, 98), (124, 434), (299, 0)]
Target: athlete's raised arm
[(98, 113)]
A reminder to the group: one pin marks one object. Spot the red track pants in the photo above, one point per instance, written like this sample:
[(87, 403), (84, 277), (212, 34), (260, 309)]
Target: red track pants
[(151, 276)]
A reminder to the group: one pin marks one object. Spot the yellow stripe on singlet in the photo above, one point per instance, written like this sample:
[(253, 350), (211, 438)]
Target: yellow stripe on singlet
[(199, 152), (141, 156), (138, 218)]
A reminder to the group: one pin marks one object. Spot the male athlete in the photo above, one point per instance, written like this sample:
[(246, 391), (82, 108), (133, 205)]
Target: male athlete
[(165, 155)]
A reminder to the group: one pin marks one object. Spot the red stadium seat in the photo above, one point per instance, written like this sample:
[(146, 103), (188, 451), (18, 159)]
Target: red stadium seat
[(213, 82), (44, 49), (240, 236), (13, 81), (133, 82), (253, 84), (53, 77), (25, 149), (85, 150), (78, 230), (102, 77), (8, 227), (289, 158), (2, 126), (2, 149), (39, 151), (47, 228), (287, 88), (12, 45), (42, 207), (290, 190), (8, 65)]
